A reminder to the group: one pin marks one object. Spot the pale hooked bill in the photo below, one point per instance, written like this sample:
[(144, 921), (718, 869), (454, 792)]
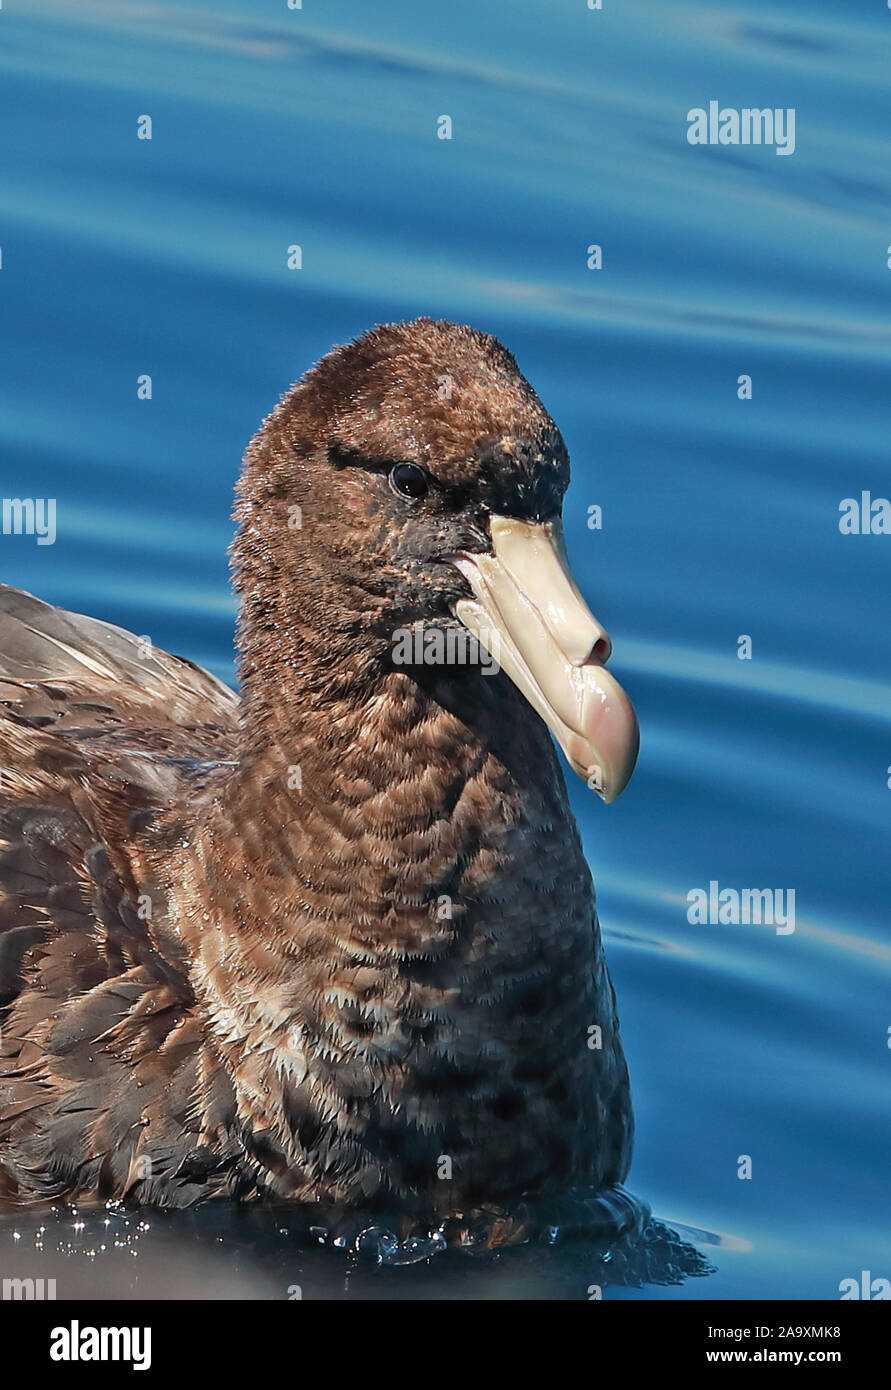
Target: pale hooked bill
[(529, 615)]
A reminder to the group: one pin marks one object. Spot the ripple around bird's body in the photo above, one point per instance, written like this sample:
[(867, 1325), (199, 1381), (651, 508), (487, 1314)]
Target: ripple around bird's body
[(720, 518)]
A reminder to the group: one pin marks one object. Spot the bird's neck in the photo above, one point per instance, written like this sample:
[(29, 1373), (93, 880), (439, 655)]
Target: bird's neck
[(390, 810), (420, 824)]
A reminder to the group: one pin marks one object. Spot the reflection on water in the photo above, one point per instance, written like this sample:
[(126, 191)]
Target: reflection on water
[(720, 517), (263, 1255)]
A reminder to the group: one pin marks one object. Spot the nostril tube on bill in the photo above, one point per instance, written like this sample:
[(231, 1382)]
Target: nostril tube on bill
[(602, 650)]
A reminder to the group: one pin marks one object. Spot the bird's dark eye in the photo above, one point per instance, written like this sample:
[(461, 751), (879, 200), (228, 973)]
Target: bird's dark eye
[(409, 480)]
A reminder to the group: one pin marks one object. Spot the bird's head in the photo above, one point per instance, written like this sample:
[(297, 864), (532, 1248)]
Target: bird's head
[(412, 481)]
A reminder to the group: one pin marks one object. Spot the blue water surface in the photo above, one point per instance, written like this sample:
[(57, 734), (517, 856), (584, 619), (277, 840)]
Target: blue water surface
[(318, 127)]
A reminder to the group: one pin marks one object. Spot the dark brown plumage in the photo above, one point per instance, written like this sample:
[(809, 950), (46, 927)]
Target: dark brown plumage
[(335, 940)]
